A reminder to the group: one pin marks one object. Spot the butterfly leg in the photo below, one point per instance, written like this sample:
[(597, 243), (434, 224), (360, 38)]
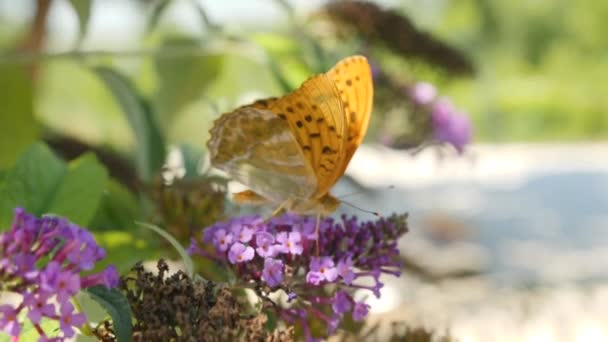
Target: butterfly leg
[(317, 226), (279, 210)]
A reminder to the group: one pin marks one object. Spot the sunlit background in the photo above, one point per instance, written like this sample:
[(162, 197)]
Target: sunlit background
[(508, 238)]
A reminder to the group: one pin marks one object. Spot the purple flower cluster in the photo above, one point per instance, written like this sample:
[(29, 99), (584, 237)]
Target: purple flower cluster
[(281, 254), (42, 259), (449, 125)]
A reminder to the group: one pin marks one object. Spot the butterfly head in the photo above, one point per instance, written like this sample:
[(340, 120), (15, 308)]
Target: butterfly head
[(324, 205)]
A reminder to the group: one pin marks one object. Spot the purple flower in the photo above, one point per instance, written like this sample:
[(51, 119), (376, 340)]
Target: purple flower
[(242, 233), (64, 283), (360, 311), (86, 257), (306, 227), (314, 278), (108, 277), (342, 302), (273, 272), (265, 242), (68, 319), (44, 260), (38, 306), (290, 243), (8, 320), (321, 268), (423, 93), (240, 253), (222, 240), (345, 270), (287, 245)]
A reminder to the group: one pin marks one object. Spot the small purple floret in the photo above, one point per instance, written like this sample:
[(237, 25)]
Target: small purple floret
[(290, 243), (360, 311), (240, 253), (342, 302), (273, 272)]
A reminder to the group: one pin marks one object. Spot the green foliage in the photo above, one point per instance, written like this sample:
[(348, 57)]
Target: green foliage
[(183, 78), (541, 63), (31, 183), (72, 100), (19, 127), (150, 144), (118, 209), (79, 194), (117, 306)]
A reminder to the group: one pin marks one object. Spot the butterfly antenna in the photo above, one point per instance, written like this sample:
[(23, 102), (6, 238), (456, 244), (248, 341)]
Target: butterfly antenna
[(375, 213)]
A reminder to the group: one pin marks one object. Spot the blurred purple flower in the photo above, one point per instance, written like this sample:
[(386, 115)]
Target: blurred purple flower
[(450, 126), (44, 260), (423, 93)]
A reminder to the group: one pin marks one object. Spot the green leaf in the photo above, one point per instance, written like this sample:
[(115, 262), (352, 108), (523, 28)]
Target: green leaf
[(19, 127), (94, 311), (116, 304), (80, 193), (31, 183), (182, 252), (157, 13), (184, 78), (83, 11), (118, 209), (150, 150)]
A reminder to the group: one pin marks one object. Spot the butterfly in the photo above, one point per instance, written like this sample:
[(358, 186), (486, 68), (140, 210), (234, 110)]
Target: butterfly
[(291, 150)]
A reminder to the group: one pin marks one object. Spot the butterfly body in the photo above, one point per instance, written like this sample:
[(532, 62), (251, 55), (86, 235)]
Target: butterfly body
[(291, 150)]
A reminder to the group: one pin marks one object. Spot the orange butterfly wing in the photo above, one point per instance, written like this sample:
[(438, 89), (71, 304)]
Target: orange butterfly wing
[(353, 78)]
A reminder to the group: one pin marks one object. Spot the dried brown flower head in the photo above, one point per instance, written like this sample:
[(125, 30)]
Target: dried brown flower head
[(176, 308)]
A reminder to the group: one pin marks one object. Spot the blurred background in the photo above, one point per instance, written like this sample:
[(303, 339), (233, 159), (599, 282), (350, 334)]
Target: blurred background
[(508, 200)]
